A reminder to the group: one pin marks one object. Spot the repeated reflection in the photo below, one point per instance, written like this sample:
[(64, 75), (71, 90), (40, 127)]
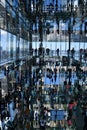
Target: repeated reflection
[(9, 46)]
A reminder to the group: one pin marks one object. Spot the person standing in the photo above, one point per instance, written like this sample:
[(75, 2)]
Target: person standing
[(43, 124), (85, 120)]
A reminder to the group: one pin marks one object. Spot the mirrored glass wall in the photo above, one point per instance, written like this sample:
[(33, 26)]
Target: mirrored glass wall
[(9, 45)]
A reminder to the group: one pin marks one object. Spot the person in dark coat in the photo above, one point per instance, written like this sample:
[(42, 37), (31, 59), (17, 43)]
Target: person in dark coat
[(85, 123)]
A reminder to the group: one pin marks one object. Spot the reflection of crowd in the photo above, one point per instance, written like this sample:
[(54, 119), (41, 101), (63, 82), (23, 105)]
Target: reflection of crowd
[(4, 55), (23, 98), (12, 54), (51, 74), (82, 54), (77, 96)]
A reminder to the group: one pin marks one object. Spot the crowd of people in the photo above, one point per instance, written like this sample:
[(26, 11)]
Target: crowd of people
[(17, 106)]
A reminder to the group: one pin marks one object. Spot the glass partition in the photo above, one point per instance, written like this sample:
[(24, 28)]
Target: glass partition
[(63, 46), (25, 47), (14, 46), (9, 44), (5, 53), (21, 48)]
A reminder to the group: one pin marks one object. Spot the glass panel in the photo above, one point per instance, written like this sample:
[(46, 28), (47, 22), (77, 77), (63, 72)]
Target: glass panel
[(11, 46), (4, 47), (21, 47), (14, 46), (8, 46), (2, 2), (24, 47), (28, 46)]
